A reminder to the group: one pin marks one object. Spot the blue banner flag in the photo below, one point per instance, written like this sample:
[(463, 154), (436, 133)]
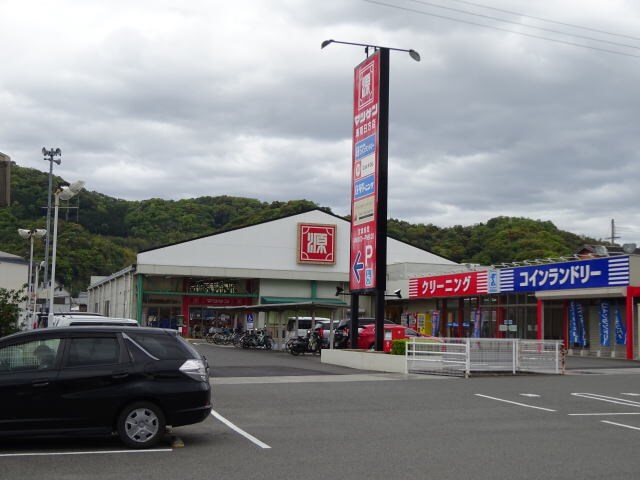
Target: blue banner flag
[(604, 324), (435, 323), (621, 329), (582, 336), (573, 324)]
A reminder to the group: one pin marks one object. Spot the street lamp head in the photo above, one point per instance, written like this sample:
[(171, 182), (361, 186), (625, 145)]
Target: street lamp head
[(412, 53), (325, 43), (76, 187), (36, 232), (71, 191)]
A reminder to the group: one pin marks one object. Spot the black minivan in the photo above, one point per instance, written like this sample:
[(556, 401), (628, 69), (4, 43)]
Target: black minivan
[(133, 382)]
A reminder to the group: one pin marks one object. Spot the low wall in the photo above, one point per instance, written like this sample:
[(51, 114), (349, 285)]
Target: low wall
[(365, 360)]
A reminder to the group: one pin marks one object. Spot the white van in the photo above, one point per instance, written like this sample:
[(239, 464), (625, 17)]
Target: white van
[(299, 326), (90, 319)]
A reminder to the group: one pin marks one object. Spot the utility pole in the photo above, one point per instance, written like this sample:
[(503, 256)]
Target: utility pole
[(613, 232), (49, 156)]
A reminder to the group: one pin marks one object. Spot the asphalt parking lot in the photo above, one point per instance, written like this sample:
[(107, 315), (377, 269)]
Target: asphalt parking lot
[(279, 416)]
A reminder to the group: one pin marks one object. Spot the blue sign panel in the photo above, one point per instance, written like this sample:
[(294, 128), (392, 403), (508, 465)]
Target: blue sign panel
[(365, 147), (601, 272), (363, 187)]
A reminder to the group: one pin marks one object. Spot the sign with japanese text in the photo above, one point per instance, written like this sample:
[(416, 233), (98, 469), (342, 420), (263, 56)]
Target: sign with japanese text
[(317, 243), (600, 272), (454, 284), (364, 185), (190, 300)]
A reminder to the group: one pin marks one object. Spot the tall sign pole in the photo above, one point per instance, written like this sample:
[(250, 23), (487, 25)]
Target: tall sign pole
[(367, 274), (369, 191), (383, 182)]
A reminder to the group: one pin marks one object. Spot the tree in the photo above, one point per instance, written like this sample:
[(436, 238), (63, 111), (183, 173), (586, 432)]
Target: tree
[(10, 310)]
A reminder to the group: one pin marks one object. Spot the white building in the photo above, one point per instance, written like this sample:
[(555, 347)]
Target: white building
[(14, 272), (291, 264)]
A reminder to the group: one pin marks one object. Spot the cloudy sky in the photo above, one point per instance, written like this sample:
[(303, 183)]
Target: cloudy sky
[(517, 108)]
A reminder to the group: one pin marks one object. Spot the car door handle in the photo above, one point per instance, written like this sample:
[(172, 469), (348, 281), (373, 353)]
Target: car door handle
[(40, 383), (120, 375)]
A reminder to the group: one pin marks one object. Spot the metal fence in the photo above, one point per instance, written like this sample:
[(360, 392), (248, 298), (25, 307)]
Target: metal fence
[(464, 356)]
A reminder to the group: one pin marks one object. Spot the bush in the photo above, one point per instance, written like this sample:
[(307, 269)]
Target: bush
[(399, 347), (9, 310)]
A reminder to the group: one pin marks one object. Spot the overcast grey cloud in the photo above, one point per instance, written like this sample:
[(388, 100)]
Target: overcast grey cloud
[(513, 110)]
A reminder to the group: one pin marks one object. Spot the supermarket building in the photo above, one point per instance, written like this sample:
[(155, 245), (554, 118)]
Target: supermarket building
[(251, 277)]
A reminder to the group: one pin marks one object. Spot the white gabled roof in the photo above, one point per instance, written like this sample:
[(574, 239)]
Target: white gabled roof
[(268, 247)]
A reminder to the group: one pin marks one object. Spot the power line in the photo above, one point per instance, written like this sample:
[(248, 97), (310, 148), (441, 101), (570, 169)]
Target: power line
[(548, 20), (512, 22), (468, 22)]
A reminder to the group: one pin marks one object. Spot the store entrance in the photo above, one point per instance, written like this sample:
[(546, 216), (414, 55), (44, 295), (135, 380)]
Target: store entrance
[(203, 318)]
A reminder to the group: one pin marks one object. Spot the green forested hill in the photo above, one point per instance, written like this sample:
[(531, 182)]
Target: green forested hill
[(103, 234)]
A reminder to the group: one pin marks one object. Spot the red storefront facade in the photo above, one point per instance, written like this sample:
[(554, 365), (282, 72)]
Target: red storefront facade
[(592, 305)]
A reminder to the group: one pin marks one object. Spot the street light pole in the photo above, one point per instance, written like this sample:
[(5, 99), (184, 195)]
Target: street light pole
[(51, 153), (35, 301), (64, 193), (368, 259), (30, 235)]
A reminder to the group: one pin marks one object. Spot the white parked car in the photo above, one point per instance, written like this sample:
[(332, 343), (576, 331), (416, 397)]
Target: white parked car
[(90, 319)]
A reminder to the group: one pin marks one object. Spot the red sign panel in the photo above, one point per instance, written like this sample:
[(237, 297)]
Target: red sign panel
[(216, 301), (452, 285), (316, 243), (364, 185)]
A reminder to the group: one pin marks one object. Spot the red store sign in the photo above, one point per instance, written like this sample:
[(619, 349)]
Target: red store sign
[(316, 243), (216, 301), (452, 285)]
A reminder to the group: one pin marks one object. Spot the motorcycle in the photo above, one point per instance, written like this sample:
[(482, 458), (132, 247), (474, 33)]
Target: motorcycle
[(312, 343)]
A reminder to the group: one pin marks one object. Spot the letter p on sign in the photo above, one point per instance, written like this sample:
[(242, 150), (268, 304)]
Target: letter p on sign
[(368, 254)]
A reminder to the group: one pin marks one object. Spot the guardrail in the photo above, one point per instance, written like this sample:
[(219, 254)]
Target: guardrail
[(462, 356)]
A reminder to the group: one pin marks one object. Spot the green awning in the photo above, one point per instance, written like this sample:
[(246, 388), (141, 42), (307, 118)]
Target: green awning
[(302, 300)]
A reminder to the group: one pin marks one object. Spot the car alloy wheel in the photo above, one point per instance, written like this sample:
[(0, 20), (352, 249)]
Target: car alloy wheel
[(141, 425)]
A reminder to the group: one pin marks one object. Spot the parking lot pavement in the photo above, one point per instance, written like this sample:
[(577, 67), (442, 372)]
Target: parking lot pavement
[(493, 427), (577, 365), (228, 361)]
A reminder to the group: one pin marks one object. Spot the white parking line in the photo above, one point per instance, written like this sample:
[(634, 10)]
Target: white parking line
[(514, 403), (96, 452), (620, 425), (605, 398), (248, 436), (604, 414)]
